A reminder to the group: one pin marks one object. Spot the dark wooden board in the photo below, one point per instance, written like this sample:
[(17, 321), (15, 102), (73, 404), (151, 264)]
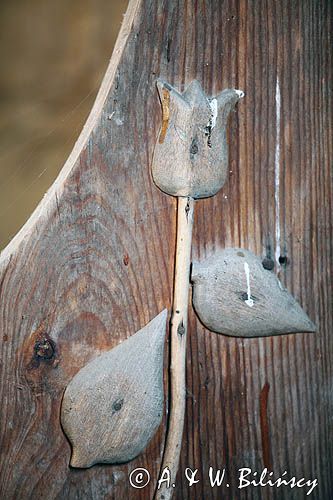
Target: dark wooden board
[(95, 262)]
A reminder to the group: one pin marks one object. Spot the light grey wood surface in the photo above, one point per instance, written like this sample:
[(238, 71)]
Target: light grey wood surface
[(233, 294), (114, 404), (191, 155)]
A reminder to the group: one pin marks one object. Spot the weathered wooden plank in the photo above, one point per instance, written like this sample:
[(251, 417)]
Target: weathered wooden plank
[(95, 262)]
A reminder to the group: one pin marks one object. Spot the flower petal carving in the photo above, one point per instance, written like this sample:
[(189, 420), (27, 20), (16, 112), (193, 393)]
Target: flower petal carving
[(191, 156)]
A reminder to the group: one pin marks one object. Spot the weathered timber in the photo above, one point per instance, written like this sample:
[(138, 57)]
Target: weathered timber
[(190, 161), (233, 294), (191, 155), (114, 404), (98, 255)]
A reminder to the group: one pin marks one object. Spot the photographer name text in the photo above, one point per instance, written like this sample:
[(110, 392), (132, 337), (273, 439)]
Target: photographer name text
[(246, 478)]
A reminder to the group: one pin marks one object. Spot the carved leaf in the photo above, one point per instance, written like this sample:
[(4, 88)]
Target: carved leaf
[(233, 294), (114, 404), (191, 155)]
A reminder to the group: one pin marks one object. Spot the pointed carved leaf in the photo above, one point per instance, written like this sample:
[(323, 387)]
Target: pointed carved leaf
[(191, 156), (233, 294), (113, 406)]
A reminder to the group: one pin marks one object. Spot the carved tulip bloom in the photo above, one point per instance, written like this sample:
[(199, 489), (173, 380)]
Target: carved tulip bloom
[(191, 155)]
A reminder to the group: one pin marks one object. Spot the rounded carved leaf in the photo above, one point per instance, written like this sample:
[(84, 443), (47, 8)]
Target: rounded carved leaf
[(233, 294), (114, 404)]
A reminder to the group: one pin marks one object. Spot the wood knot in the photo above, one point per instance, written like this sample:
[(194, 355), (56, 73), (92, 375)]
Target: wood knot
[(44, 348)]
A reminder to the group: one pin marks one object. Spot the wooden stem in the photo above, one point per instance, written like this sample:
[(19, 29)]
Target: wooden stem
[(178, 344)]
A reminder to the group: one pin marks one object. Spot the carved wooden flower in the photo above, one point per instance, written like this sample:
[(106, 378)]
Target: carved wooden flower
[(191, 155)]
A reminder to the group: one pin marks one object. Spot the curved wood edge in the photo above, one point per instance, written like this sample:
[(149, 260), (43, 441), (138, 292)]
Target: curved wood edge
[(133, 250), (69, 281), (80, 144)]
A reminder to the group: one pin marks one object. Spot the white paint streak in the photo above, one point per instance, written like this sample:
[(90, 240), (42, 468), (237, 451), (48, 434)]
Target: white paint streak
[(277, 173), (240, 93), (248, 301), (213, 107)]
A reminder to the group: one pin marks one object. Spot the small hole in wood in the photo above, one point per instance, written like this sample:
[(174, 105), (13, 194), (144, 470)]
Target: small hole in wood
[(268, 263), (194, 148), (117, 405)]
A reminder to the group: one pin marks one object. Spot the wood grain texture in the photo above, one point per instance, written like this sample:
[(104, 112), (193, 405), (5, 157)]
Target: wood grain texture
[(95, 262), (113, 406), (233, 294), (178, 349), (191, 155)]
